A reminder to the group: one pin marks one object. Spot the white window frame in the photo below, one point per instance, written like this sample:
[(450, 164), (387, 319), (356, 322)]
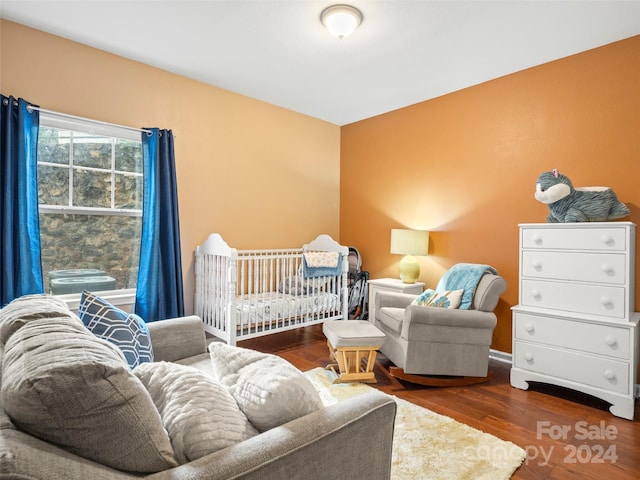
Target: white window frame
[(121, 298)]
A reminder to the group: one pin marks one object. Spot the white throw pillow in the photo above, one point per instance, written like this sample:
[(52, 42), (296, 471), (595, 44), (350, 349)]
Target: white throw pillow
[(269, 390), (447, 299), (199, 414)]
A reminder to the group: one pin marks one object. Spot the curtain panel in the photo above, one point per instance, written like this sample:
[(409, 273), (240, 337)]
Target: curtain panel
[(21, 269), (159, 292)]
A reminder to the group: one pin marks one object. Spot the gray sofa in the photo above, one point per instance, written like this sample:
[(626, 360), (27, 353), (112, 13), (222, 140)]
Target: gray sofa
[(352, 439)]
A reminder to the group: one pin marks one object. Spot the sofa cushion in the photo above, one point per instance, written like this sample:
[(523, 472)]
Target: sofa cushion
[(65, 386), (125, 330), (30, 307), (269, 390), (444, 299), (199, 414)]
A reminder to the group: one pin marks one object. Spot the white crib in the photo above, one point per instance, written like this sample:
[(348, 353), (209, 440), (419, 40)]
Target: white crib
[(242, 294)]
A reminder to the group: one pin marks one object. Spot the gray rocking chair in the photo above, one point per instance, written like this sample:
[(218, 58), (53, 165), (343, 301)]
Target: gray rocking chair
[(440, 346)]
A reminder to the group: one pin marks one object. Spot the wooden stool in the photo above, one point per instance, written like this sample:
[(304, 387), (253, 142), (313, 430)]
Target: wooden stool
[(353, 343)]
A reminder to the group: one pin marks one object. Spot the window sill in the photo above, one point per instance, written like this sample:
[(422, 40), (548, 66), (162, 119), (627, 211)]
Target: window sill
[(123, 299)]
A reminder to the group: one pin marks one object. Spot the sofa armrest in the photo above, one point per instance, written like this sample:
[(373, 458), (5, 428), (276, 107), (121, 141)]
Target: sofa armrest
[(418, 319), (351, 439), (25, 457), (177, 338)]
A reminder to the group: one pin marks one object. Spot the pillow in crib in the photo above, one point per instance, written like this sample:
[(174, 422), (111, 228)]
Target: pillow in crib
[(298, 285), (431, 298), (269, 390), (199, 414)]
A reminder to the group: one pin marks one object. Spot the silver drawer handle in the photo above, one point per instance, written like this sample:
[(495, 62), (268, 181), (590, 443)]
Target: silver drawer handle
[(609, 375), (529, 328), (610, 340)]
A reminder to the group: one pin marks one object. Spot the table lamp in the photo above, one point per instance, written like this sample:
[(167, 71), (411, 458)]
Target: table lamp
[(409, 243)]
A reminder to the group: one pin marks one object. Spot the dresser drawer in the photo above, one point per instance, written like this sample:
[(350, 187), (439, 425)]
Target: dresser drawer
[(608, 374), (587, 267), (575, 335), (606, 301), (605, 239)]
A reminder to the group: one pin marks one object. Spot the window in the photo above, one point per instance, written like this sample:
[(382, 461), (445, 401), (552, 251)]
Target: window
[(90, 204)]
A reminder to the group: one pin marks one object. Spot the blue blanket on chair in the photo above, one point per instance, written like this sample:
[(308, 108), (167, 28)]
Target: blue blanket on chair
[(464, 276)]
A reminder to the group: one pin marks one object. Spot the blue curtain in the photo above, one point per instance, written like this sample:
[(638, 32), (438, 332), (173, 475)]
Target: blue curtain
[(159, 292), (21, 269)]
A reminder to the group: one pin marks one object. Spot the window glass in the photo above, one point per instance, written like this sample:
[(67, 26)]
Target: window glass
[(91, 150), (53, 185), (91, 188), (53, 145), (128, 156), (128, 191), (90, 198)]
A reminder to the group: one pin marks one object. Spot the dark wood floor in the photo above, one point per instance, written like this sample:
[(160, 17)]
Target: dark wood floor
[(596, 445)]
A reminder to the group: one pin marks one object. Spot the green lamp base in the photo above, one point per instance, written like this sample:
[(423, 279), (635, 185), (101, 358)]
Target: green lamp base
[(409, 269)]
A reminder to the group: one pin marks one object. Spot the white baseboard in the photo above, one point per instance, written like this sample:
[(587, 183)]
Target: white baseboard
[(501, 356)]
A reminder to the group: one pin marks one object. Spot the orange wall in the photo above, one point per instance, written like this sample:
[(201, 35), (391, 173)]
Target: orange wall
[(464, 166), (260, 175)]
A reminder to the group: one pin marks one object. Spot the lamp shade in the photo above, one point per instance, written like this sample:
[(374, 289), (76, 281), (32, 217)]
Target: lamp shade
[(409, 242)]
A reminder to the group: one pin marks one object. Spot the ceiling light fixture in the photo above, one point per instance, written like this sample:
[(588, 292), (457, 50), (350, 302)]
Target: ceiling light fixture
[(341, 20)]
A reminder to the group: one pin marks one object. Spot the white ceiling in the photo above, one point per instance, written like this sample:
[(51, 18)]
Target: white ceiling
[(404, 52)]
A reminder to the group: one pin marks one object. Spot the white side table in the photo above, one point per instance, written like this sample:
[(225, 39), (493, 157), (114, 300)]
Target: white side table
[(390, 285)]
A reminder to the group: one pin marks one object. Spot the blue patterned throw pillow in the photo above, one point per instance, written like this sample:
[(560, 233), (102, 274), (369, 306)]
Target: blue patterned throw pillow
[(125, 330), (431, 298)]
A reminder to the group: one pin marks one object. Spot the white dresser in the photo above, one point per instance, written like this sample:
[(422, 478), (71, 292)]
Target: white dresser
[(575, 324)]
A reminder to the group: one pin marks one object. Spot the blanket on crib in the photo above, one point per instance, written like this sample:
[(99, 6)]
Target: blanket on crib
[(321, 264), (464, 276)]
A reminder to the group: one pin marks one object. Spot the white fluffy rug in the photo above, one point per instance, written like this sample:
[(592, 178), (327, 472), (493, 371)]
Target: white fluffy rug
[(427, 445)]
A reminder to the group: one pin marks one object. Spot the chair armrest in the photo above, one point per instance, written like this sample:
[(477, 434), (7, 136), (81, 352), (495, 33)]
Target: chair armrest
[(177, 338), (351, 439), (395, 300), (416, 317)]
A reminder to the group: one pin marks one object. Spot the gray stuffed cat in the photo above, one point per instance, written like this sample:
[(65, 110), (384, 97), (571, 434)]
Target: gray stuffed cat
[(569, 204)]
